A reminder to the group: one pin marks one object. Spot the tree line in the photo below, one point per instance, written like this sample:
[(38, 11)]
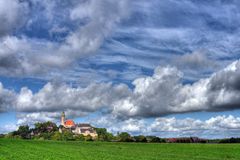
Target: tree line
[(50, 131)]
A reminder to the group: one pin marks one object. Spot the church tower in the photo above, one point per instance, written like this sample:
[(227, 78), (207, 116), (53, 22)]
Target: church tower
[(62, 118)]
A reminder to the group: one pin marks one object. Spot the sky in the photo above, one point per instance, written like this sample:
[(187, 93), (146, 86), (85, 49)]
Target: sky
[(168, 68)]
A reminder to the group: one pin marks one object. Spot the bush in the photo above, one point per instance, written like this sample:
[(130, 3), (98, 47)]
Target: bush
[(17, 137), (9, 135), (46, 136), (36, 137), (88, 138), (79, 137), (67, 136), (57, 136)]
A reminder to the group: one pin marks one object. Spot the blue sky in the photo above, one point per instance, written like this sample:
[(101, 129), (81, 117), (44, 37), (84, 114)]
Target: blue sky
[(166, 68)]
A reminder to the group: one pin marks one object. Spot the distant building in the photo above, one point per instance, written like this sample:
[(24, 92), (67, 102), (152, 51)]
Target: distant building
[(81, 128)]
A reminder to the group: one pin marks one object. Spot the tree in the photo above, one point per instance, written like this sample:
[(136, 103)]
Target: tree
[(110, 136), (140, 138), (103, 135), (154, 139), (49, 127), (44, 130), (23, 131), (125, 137)]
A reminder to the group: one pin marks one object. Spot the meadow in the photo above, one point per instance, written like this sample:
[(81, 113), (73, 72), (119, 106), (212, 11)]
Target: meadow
[(12, 149)]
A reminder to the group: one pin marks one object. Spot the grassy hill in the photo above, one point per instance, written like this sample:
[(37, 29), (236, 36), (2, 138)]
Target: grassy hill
[(59, 150)]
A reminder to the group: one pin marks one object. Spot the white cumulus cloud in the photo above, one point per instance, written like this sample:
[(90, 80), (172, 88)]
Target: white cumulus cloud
[(26, 55)]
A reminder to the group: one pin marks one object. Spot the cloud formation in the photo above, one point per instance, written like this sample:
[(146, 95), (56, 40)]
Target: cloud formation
[(48, 39), (154, 96), (214, 127), (195, 61), (7, 99), (157, 33), (9, 127), (12, 15), (52, 37), (29, 55), (164, 93), (161, 94), (56, 97)]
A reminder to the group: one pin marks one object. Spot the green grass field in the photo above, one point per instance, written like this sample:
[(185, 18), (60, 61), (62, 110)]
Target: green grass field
[(52, 150)]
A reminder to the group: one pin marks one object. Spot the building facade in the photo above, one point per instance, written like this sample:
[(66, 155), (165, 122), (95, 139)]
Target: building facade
[(81, 128)]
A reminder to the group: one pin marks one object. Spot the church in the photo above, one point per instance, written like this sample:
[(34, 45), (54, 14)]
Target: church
[(81, 128)]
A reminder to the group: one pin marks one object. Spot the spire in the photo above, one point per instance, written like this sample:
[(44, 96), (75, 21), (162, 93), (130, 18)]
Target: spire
[(63, 114), (63, 118)]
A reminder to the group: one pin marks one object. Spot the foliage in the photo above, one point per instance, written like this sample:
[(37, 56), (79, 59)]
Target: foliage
[(103, 135), (23, 132), (213, 140), (57, 136), (46, 135), (46, 127), (79, 137), (230, 140), (9, 135), (50, 131), (124, 137), (88, 138), (140, 138), (155, 139), (67, 136)]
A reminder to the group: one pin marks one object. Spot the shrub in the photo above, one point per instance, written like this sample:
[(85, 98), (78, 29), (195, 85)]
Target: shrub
[(57, 136), (67, 136), (9, 135), (79, 137), (88, 138)]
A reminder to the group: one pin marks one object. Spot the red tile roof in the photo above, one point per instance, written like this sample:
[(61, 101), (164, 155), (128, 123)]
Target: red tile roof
[(69, 122)]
